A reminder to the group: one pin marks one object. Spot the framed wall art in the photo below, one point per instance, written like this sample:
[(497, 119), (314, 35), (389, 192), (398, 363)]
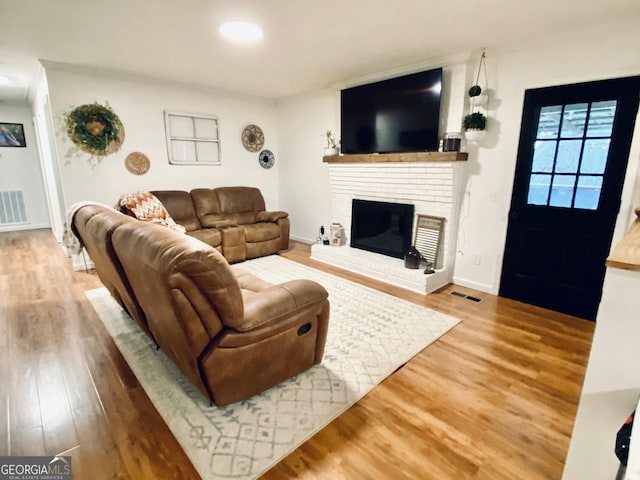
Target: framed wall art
[(12, 135), (192, 139)]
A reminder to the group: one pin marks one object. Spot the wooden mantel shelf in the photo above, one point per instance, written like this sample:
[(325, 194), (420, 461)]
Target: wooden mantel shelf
[(626, 254), (398, 157)]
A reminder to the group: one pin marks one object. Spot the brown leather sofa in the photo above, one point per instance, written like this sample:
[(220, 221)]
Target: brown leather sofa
[(248, 230), (94, 225), (231, 333), (233, 220)]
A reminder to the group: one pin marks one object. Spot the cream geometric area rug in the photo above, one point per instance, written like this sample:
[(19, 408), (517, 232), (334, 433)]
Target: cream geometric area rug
[(370, 335)]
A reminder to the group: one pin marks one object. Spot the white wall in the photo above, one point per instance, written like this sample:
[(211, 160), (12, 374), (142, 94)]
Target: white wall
[(582, 56), (294, 130), (614, 352), (302, 122), (304, 184), (20, 169), (140, 104), (593, 54)]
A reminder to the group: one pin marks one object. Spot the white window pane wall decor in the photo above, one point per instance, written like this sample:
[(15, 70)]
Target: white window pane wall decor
[(192, 139)]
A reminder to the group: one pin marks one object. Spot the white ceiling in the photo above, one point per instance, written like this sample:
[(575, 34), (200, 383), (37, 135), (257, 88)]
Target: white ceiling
[(307, 44)]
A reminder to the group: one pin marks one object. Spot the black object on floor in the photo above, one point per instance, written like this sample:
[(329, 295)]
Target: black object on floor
[(623, 439)]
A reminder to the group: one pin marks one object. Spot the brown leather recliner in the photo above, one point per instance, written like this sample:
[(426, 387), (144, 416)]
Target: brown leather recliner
[(179, 204), (94, 225), (248, 229), (232, 334)]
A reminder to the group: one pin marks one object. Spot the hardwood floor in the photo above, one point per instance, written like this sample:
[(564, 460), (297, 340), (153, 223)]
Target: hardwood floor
[(494, 398)]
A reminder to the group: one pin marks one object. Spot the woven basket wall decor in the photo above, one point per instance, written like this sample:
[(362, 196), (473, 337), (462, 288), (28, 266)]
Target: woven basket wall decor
[(137, 163)]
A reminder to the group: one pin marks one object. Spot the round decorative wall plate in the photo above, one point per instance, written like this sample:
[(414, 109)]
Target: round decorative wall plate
[(252, 138), (266, 158), (95, 129), (137, 163)]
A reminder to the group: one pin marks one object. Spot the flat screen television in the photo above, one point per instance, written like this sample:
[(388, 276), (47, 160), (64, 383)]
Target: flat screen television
[(400, 114)]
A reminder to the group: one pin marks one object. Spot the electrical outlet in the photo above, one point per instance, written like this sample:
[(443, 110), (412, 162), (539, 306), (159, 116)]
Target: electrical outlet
[(475, 259)]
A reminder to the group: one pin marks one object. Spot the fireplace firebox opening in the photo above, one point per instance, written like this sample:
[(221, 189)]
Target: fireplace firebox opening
[(382, 227)]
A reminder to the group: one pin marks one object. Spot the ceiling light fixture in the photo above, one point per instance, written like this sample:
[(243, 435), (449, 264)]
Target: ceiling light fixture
[(241, 31)]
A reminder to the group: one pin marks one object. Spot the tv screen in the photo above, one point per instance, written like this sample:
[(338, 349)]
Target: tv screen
[(401, 114)]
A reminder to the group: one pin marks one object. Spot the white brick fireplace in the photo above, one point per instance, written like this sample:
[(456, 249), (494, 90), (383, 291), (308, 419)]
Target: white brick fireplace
[(433, 187)]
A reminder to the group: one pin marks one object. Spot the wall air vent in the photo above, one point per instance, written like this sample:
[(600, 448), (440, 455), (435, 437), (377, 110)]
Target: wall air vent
[(12, 209)]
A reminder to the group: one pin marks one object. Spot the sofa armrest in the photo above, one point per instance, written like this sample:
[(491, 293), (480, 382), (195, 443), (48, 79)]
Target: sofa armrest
[(270, 216), (223, 224), (279, 301), (209, 221)]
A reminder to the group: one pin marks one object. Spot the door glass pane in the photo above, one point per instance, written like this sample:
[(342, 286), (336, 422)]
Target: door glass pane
[(183, 151), (601, 118), (181, 126), (538, 189), (588, 192), (573, 120), (568, 156), (543, 155), (594, 157), (549, 121), (562, 190), (561, 149)]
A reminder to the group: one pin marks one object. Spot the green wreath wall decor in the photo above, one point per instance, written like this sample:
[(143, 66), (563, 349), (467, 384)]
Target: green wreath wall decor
[(95, 129)]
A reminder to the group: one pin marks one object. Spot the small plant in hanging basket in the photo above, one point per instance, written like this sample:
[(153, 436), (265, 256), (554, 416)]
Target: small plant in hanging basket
[(474, 121), (474, 125), (475, 91)]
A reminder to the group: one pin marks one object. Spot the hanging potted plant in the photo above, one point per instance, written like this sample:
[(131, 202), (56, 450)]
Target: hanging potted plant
[(475, 92), (332, 144), (474, 125), (477, 97)]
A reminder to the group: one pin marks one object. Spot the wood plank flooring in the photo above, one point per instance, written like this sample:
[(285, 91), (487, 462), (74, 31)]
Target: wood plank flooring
[(495, 398)]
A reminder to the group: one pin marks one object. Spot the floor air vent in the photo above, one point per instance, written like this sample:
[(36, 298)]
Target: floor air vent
[(465, 296), (12, 209)]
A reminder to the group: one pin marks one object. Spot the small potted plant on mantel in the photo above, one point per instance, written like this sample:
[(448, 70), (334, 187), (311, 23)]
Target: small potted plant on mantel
[(474, 125), (332, 144)]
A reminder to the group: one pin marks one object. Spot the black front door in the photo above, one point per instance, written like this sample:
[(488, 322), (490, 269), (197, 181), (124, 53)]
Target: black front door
[(572, 158)]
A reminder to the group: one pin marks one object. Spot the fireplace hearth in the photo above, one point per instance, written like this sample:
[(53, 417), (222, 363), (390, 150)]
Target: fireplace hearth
[(431, 187)]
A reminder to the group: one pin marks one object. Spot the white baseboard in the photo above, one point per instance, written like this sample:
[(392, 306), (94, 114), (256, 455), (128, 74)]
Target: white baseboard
[(23, 226), (302, 239), (482, 287)]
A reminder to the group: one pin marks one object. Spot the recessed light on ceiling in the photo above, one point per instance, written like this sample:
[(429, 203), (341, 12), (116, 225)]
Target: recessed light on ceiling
[(4, 80), (241, 31)]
